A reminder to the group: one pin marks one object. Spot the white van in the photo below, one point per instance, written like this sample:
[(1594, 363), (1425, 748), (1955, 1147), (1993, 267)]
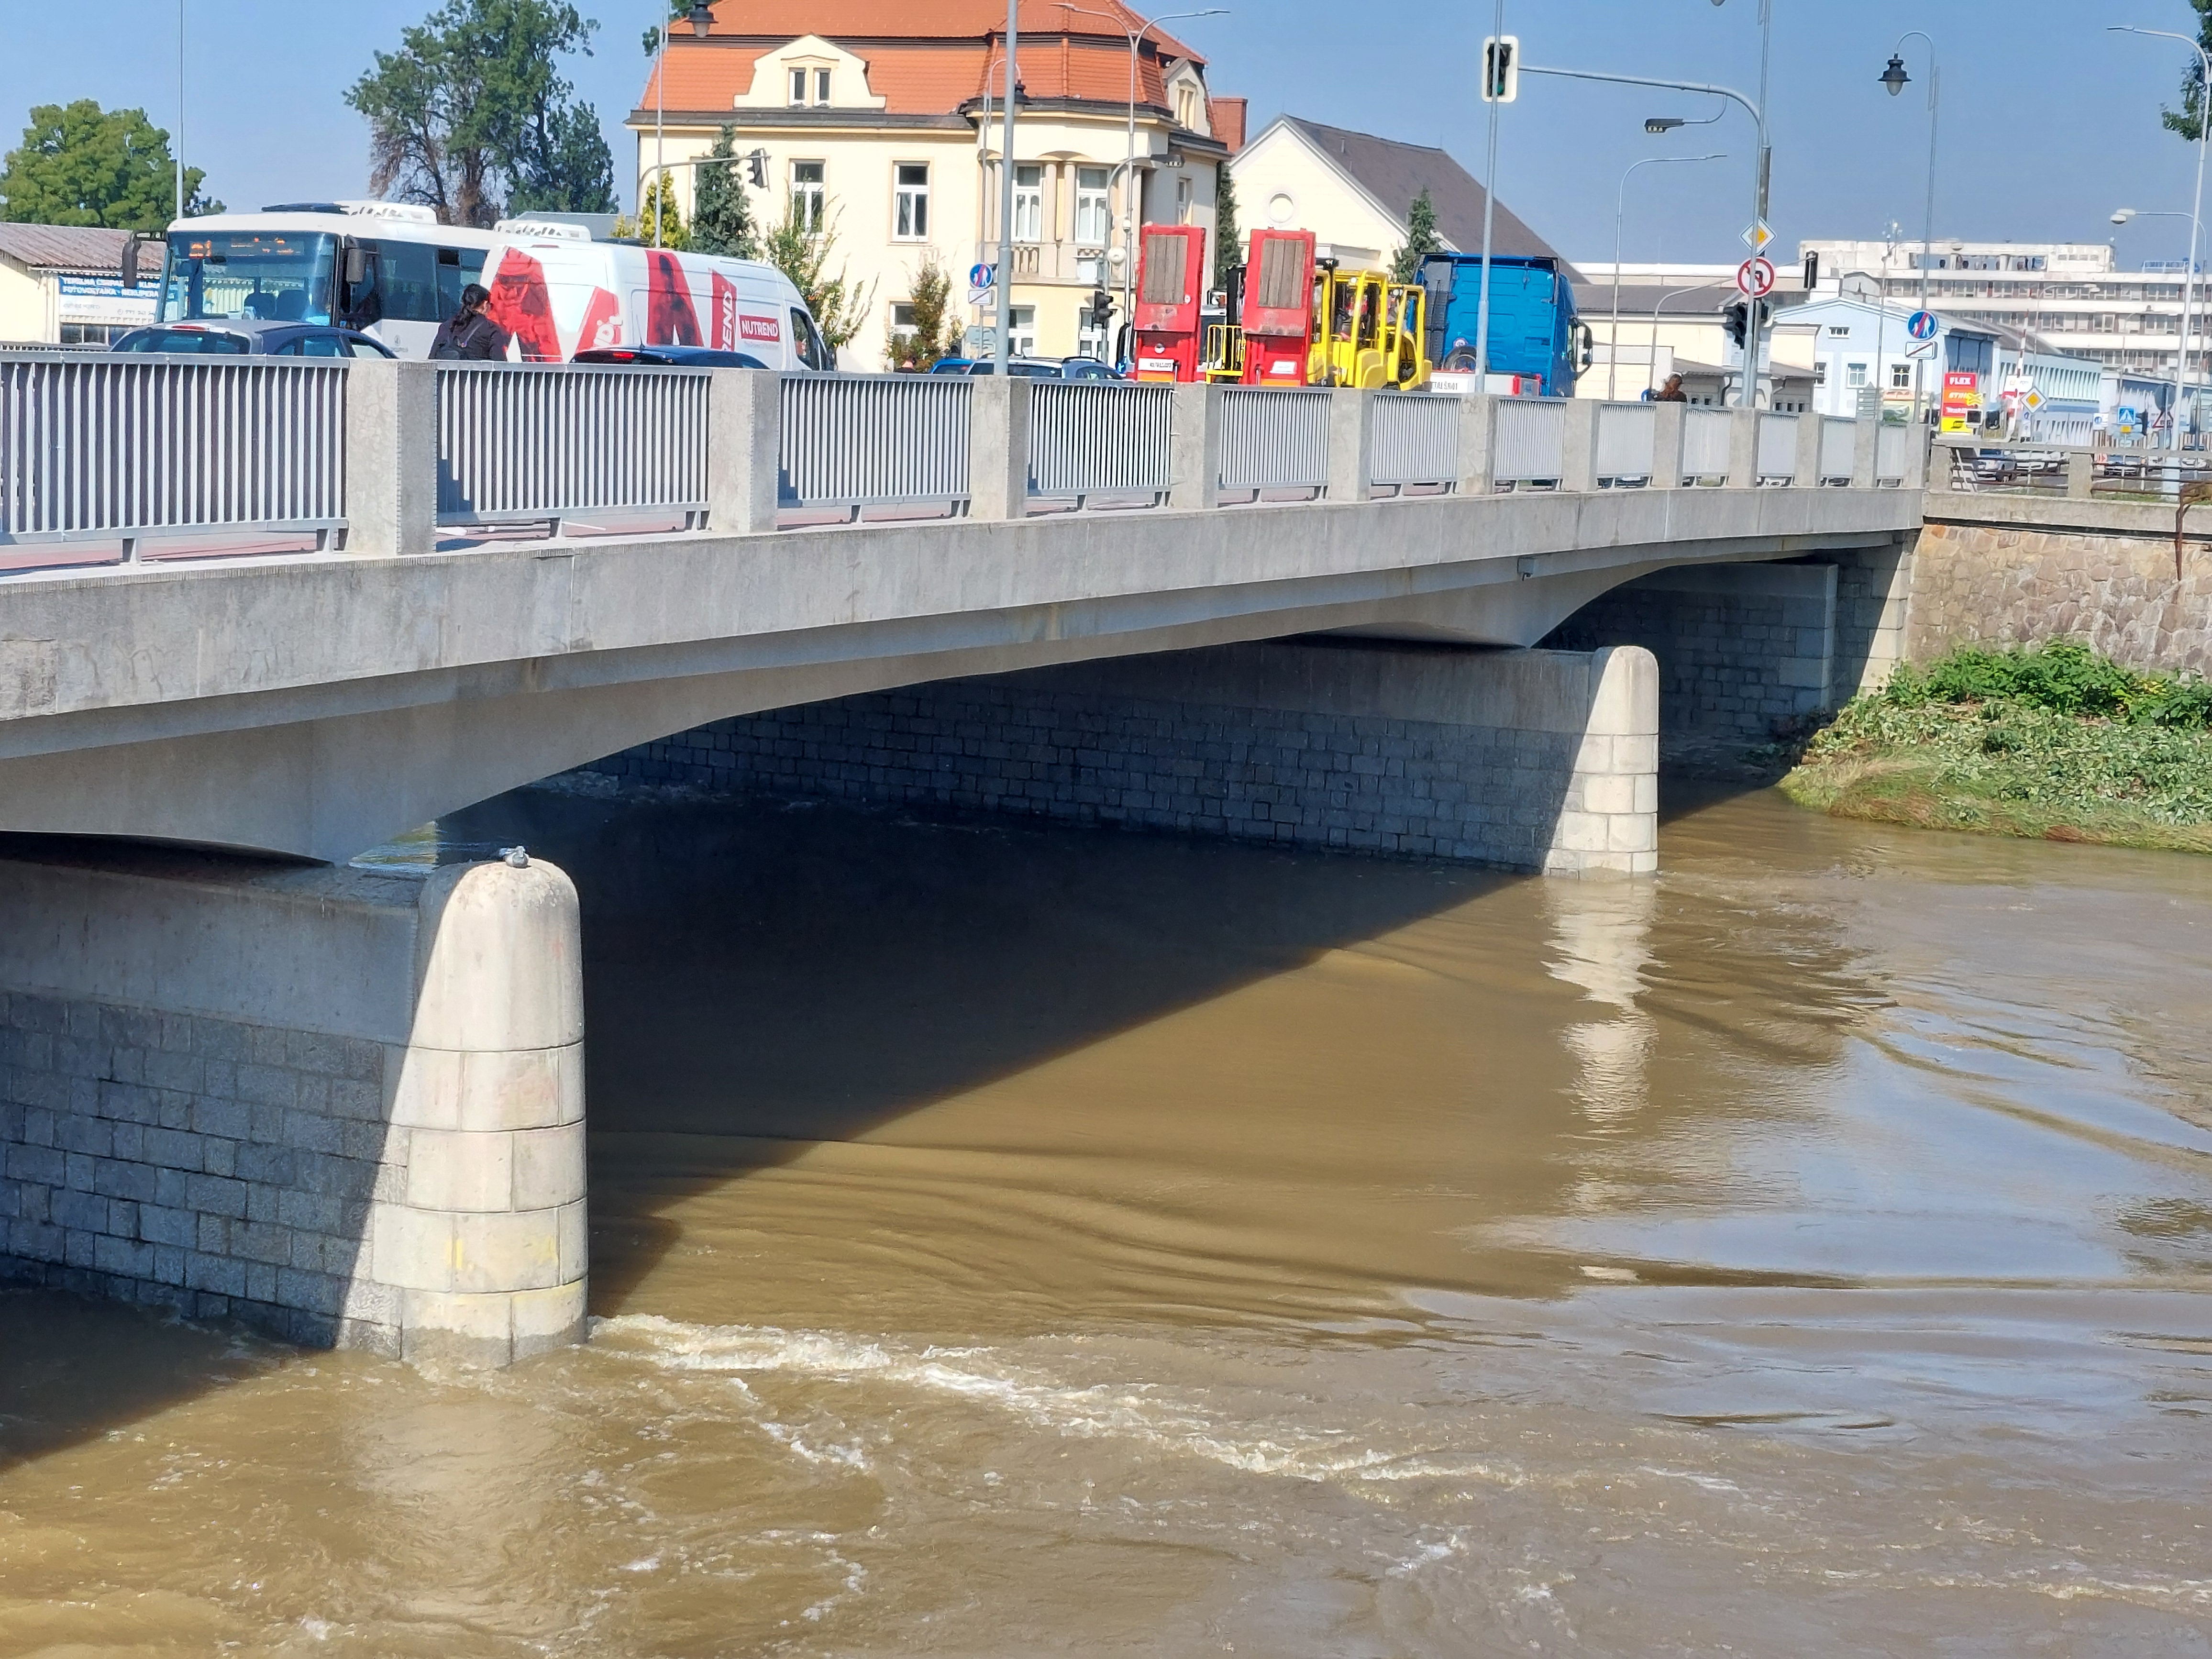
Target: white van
[(393, 271)]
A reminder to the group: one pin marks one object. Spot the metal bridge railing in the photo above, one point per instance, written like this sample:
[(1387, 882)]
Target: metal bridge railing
[(1627, 440), (1100, 438), (530, 443), (1413, 441), (1705, 446), (1776, 458), (95, 447), (1274, 439), (857, 440), (1529, 444)]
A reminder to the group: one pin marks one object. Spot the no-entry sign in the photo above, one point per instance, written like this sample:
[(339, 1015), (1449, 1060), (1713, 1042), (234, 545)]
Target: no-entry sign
[(1755, 277)]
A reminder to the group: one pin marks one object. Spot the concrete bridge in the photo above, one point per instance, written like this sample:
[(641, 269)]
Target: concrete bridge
[(350, 1105)]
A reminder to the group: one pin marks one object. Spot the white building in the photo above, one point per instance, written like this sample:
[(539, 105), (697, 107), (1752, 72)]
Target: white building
[(2071, 295), (62, 285)]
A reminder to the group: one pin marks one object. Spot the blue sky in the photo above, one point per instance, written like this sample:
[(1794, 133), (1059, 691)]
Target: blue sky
[(2050, 122)]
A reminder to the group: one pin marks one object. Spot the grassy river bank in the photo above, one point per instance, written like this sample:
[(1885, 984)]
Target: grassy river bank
[(2050, 741)]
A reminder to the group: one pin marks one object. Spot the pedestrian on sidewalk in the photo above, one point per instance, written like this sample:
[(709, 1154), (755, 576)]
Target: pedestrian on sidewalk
[(469, 335)]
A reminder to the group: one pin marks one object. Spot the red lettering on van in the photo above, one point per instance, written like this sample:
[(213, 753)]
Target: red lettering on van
[(760, 328), (725, 313), (602, 322), (521, 304), (669, 319)]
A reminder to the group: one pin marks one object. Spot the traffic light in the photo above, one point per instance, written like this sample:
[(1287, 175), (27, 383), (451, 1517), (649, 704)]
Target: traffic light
[(1735, 319), (1501, 69), (1102, 308), (756, 169), (1812, 272)]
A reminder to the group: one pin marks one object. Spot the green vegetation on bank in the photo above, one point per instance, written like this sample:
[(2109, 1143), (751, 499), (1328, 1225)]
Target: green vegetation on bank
[(2050, 741)]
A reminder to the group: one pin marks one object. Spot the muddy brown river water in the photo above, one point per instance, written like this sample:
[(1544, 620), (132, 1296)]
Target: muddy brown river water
[(1012, 1241)]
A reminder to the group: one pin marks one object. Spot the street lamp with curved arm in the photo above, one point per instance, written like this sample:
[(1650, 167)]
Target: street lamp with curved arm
[(1894, 78), (1130, 212), (1620, 205), (1761, 169), (2197, 214)]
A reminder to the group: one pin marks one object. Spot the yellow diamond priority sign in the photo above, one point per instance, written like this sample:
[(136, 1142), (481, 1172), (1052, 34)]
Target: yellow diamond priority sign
[(1756, 236)]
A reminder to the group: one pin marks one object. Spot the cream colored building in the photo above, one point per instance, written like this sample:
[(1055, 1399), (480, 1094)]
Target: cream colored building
[(1353, 190), (62, 285), (880, 124)]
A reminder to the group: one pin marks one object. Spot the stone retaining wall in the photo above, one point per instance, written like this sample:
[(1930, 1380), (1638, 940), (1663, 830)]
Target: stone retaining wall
[(2002, 578), (1531, 760)]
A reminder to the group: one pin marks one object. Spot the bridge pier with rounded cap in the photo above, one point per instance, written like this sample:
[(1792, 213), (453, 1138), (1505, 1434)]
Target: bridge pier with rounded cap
[(342, 1106)]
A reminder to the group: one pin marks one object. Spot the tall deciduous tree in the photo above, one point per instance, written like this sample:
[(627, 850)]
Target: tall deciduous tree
[(82, 164), (473, 115), (2188, 119), (839, 305), (1421, 241), (935, 329), (721, 218)]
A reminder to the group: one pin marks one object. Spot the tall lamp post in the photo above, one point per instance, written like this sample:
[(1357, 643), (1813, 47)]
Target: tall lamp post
[(701, 18), (180, 108), (1896, 80), (1002, 344), (1130, 214), (1620, 205), (2128, 215), (1748, 391), (2196, 210)]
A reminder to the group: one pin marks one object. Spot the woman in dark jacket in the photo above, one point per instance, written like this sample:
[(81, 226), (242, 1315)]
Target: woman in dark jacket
[(469, 335)]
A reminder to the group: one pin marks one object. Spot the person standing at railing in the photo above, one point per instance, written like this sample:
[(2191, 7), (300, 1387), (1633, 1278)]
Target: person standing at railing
[(1672, 392), (469, 335)]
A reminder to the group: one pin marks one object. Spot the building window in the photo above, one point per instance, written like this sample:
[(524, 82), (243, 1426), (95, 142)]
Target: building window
[(1855, 374), (1090, 337), (1820, 371), (1900, 377), (903, 323), (93, 334), (809, 86), (1029, 202), (1839, 330), (807, 195), (1094, 211), (1021, 329), (913, 201), (1183, 201), (1186, 105)]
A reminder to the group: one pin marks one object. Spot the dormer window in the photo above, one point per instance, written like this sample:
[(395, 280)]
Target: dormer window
[(1186, 105), (810, 89)]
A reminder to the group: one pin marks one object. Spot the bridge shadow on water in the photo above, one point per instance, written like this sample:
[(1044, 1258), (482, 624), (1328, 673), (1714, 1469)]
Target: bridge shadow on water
[(770, 976)]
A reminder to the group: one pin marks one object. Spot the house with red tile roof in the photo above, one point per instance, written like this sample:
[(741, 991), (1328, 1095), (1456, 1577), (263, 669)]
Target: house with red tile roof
[(880, 122)]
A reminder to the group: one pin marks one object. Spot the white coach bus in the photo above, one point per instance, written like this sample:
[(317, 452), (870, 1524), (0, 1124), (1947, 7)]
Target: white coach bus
[(393, 271)]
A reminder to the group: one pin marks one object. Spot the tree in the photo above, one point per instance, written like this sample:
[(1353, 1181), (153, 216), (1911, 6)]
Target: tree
[(1226, 249), (472, 114), (82, 164), (803, 255), (721, 217), (659, 198), (1421, 241), (2188, 118), (936, 330)]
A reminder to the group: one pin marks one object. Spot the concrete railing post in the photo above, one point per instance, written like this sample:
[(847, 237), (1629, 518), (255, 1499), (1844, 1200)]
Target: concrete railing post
[(2080, 474), (998, 448), (1669, 423), (1578, 444), (1866, 451), (1743, 449), (1806, 470), (1195, 453), (1350, 417), (745, 450), (1478, 445), (391, 458)]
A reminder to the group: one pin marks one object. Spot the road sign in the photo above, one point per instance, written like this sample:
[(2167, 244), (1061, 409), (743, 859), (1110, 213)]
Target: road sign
[(1921, 326), (1755, 277), (2034, 399), (982, 275), (1756, 235), (1926, 347)]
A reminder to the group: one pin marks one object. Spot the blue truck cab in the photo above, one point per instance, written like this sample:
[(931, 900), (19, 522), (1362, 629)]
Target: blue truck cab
[(1535, 333)]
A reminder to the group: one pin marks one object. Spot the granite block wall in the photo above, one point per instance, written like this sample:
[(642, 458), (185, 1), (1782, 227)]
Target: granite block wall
[(1528, 760)]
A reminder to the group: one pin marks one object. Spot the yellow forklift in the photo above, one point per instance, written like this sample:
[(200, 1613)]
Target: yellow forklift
[(1367, 331)]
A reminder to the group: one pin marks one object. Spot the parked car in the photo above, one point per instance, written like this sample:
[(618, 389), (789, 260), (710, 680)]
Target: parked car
[(246, 338), (671, 356), (1032, 369)]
